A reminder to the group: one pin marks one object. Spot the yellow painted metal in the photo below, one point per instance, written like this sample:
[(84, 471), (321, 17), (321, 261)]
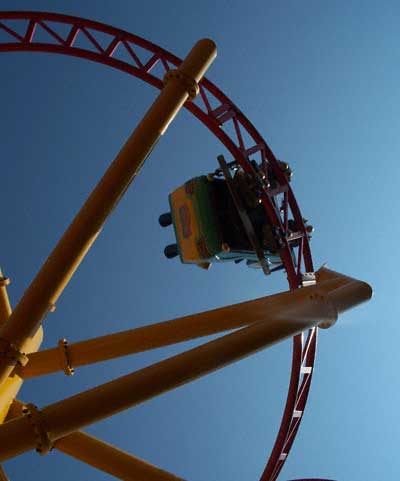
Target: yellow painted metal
[(332, 295), (101, 455), (293, 304), (54, 275), (110, 459), (164, 333), (8, 392), (10, 388)]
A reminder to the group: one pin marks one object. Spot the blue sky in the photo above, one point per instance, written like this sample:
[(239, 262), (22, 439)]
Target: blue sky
[(320, 81)]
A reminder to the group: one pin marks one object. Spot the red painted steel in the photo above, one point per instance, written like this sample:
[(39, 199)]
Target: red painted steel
[(279, 204)]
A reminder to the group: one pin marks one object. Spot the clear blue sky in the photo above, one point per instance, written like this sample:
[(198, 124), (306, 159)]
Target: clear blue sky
[(320, 80)]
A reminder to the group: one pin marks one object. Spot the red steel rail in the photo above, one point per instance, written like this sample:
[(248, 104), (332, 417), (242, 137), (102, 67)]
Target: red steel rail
[(63, 34)]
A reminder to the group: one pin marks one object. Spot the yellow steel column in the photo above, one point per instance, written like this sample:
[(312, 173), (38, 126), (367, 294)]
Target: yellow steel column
[(54, 275), (110, 459), (291, 304), (69, 415), (287, 304), (9, 389), (101, 455)]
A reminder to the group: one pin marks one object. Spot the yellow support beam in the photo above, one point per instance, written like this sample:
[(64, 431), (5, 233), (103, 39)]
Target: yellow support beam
[(10, 388), (101, 455), (42, 294), (110, 459), (293, 304), (69, 415)]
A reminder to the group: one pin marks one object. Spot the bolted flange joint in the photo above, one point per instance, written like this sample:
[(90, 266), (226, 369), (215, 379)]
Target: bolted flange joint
[(191, 85), (43, 441), (12, 354), (65, 357)]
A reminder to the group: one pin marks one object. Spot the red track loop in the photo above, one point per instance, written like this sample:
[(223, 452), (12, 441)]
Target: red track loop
[(56, 33)]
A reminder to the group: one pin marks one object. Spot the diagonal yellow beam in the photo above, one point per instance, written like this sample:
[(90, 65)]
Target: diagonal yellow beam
[(181, 85), (292, 304), (101, 455), (9, 389), (69, 415), (110, 459), (166, 333)]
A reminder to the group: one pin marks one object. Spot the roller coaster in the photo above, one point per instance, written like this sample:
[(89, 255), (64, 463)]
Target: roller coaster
[(314, 298)]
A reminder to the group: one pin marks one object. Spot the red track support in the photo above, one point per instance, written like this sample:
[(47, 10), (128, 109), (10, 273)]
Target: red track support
[(279, 205)]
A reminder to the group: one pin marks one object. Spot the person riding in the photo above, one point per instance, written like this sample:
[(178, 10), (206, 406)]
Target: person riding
[(236, 244)]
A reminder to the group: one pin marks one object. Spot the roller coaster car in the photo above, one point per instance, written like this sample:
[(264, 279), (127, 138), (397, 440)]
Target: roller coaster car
[(221, 219)]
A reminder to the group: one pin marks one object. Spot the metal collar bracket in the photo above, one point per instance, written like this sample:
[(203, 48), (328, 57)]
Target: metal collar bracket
[(43, 442), (65, 357), (12, 354), (191, 85)]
